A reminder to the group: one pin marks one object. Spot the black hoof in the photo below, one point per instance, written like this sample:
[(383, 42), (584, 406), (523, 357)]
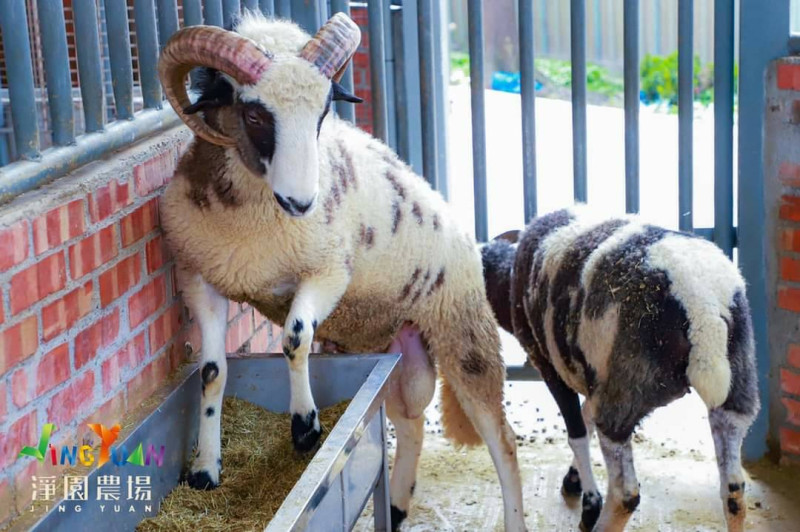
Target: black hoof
[(592, 504), (397, 517), (304, 436), (571, 486), (201, 480)]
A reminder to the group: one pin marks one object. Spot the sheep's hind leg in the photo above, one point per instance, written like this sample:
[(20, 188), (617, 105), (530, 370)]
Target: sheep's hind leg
[(210, 309), (622, 496), (728, 429)]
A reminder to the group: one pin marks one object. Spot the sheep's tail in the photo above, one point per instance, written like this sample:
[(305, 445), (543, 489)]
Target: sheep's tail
[(709, 370), (457, 426)]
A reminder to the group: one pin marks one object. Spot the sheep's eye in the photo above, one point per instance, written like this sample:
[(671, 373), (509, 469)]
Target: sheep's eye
[(252, 117)]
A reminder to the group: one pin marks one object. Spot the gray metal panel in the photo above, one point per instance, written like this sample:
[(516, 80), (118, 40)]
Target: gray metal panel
[(213, 12), (478, 103), (377, 67), (267, 7), (400, 91), (723, 124), (528, 94), (306, 14), (389, 52), (685, 113), (283, 8), (57, 74), (231, 10), (345, 110), (409, 119), (14, 28), (762, 38), (578, 49), (427, 75), (87, 41), (147, 47), (119, 51), (441, 75), (192, 13), (167, 20), (631, 75), (55, 162)]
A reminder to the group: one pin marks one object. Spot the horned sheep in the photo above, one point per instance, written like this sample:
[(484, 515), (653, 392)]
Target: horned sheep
[(280, 204), (630, 316)]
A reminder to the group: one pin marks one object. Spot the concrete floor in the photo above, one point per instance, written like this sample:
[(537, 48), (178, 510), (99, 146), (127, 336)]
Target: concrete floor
[(458, 489)]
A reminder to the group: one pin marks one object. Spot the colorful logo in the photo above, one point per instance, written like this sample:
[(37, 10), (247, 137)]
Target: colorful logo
[(70, 455)]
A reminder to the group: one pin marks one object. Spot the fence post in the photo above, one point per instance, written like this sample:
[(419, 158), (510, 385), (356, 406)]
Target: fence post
[(56, 65)]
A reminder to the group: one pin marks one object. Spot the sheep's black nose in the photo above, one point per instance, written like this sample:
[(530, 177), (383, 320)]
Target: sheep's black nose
[(292, 206)]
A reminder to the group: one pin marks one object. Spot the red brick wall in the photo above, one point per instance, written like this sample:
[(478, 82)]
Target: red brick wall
[(90, 320), (783, 163)]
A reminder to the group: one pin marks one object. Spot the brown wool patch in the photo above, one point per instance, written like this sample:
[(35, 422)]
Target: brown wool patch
[(421, 287), (348, 169), (416, 210), (473, 364), (437, 283), (395, 182), (397, 216), (410, 284), (436, 225)]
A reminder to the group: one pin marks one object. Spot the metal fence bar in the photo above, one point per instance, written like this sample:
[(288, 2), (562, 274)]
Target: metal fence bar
[(401, 109), (167, 20), (14, 27), (391, 81), (213, 12), (578, 52), (56, 65), (410, 117), (119, 52), (528, 95), (631, 79), (147, 44), (344, 109), (723, 125), (478, 105), (440, 80), (306, 14), (87, 42), (685, 113), (192, 13), (252, 5), (231, 9), (267, 7), (427, 74), (377, 66), (283, 8)]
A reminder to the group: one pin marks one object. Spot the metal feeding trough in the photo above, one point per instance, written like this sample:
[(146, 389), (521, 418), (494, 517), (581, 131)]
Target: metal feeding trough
[(349, 468)]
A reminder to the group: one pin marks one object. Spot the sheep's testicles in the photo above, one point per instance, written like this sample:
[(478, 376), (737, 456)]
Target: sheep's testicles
[(413, 383)]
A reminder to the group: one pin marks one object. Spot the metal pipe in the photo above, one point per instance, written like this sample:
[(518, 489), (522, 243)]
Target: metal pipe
[(231, 10), (578, 51), (283, 8), (478, 105), (723, 124), (55, 162), (528, 94), (147, 44), (377, 67), (631, 77), (119, 51), (389, 11), (345, 110), (402, 110), (56, 66), (685, 113), (306, 14), (252, 5), (427, 74), (167, 20), (441, 74), (192, 13), (213, 13), (267, 7), (14, 27), (87, 42)]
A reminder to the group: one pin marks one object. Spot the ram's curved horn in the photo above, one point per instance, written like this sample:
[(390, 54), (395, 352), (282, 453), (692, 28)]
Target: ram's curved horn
[(333, 46), (213, 47)]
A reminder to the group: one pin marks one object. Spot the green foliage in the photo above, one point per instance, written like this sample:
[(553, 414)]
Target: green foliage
[(659, 80), (459, 62), (598, 79)]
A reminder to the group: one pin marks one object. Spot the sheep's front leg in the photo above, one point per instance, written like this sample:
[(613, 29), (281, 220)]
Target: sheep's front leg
[(210, 310), (314, 301)]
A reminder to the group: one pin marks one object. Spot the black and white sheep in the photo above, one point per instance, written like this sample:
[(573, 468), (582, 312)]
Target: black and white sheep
[(630, 316), (321, 227)]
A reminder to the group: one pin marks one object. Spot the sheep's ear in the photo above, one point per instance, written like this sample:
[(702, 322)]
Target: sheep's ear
[(509, 236), (341, 94)]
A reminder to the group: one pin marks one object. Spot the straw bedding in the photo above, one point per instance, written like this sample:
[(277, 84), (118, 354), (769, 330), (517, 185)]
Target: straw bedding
[(260, 467)]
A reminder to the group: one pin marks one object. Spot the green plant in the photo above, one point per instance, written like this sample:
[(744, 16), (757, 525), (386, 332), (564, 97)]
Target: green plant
[(598, 79), (659, 79), (459, 62)]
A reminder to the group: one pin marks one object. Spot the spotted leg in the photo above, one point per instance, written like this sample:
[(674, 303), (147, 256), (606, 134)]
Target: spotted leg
[(210, 310), (728, 429), (622, 496), (314, 300), (411, 389)]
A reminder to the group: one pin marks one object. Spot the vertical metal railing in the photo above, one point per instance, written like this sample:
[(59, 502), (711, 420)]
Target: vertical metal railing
[(377, 65), (87, 42), (56, 64), (213, 12), (685, 114), (427, 65), (631, 87), (148, 47), (119, 54), (723, 125), (578, 28), (528, 96), (478, 103)]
